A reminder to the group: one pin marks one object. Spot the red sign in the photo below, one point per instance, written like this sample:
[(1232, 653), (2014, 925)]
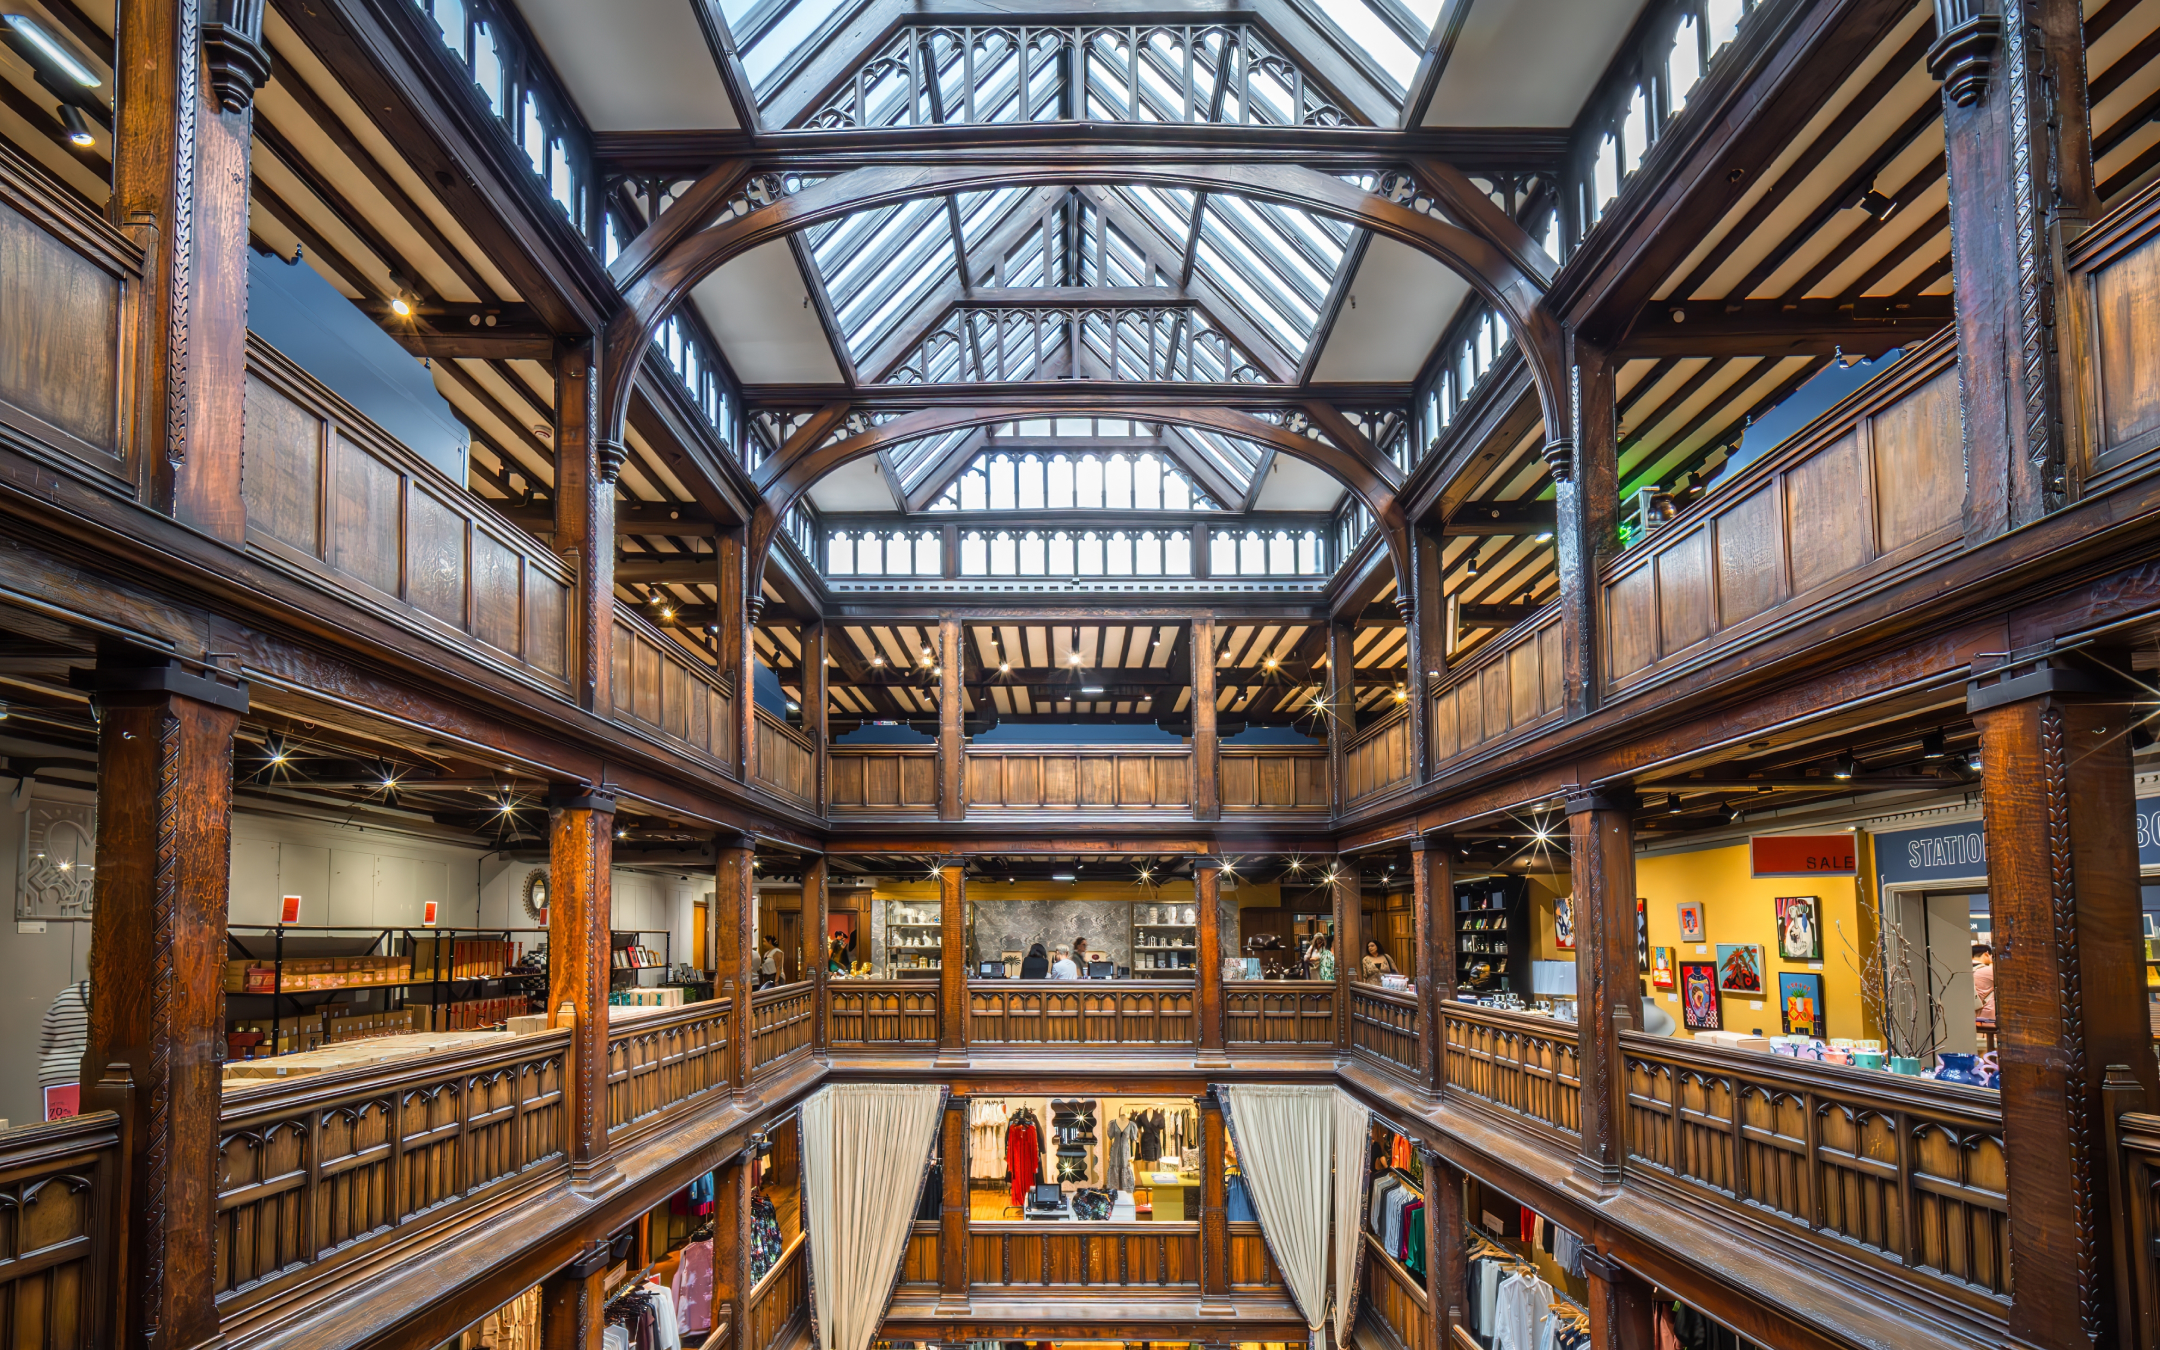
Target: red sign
[(427, 914), (1803, 855), (63, 1101), (290, 913)]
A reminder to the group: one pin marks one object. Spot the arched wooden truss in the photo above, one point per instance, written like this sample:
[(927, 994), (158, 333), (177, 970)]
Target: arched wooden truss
[(735, 208)]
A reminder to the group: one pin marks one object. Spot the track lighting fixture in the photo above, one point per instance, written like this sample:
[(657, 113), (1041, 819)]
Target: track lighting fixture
[(77, 126), (1931, 745), (1845, 766)]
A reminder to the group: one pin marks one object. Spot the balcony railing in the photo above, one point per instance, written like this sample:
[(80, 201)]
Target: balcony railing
[(2114, 269), (782, 1022), (1903, 1176), (881, 1014), (1383, 1024), (786, 760), (1377, 758), (1130, 1014), (661, 1060), (1061, 778), (781, 1300), (1072, 1257), (1279, 1014), (62, 1214), (1503, 689), (1526, 1065), (662, 690), (1395, 1296), (1272, 779), (326, 1169), (884, 778)]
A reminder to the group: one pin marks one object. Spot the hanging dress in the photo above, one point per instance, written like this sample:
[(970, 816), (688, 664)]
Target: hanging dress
[(1023, 1158)]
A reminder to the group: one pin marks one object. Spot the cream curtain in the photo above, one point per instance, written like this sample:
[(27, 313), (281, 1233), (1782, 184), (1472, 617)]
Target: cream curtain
[(865, 1147), (1285, 1149), (1352, 1128)]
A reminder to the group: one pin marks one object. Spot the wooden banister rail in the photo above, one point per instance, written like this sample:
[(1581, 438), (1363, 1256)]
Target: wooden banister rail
[(781, 1023), (786, 760), (664, 691), (1273, 1015), (1377, 759), (1383, 1026), (881, 1014), (325, 1169), (1079, 778), (883, 778), (1509, 685), (1273, 778), (1095, 1255), (1521, 1063), (62, 1220), (659, 1061), (780, 1299), (1128, 1013)]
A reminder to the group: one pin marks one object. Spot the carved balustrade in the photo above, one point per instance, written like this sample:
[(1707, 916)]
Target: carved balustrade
[(1148, 1254), (881, 1014), (1279, 1014), (661, 1060), (1383, 1025), (1130, 1013), (321, 1170), (782, 1021), (1900, 1179), (1520, 1063), (62, 1215), (781, 1300), (1395, 1296)]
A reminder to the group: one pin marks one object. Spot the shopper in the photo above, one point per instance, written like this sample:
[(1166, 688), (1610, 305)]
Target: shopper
[(1375, 963), (1063, 968), (1983, 959), (1320, 959), (1080, 957), (1036, 964), (836, 962), (769, 964)]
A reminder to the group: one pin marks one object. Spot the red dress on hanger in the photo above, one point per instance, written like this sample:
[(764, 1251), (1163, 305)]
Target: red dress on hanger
[(1023, 1158)]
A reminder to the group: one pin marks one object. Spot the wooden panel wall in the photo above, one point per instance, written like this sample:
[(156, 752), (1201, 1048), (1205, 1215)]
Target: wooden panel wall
[(1873, 486), (1063, 779), (1378, 758), (786, 761), (882, 778), (60, 1219), (881, 1013), (661, 688), (1095, 1255), (1286, 779), (1513, 684), (2114, 300), (1140, 1012), (331, 494), (65, 312), (1394, 1297), (661, 1061)]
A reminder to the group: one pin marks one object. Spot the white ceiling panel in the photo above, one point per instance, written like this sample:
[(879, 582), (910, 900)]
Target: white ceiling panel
[(1294, 485), (757, 308), (633, 65), (1402, 300), (854, 486), (1528, 63)]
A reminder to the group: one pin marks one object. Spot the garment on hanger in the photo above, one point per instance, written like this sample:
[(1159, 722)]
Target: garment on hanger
[(765, 1241), (515, 1325), (693, 1286), (1023, 1153), (1399, 1154), (986, 1138), (1567, 1251), (1118, 1174)]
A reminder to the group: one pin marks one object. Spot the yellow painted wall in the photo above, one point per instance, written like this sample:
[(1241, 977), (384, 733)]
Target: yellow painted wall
[(1737, 907)]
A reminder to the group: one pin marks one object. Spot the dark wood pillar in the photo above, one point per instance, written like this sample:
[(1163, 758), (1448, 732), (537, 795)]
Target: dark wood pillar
[(2059, 807), (1206, 745), (814, 708), (1214, 1207), (1585, 464), (1207, 902), (952, 739), (1432, 929), (572, 1301), (581, 855), (731, 1245), (2018, 137), (1620, 1305), (1425, 611), (1342, 701), (816, 888), (1447, 1277), (585, 471), (180, 190), (733, 911), (733, 643), (1602, 845), (1349, 905), (952, 961), (953, 1210), (157, 960), (751, 589)]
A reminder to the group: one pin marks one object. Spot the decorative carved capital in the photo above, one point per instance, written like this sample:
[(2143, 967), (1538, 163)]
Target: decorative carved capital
[(757, 607), (233, 49), (1560, 459), (1406, 605), (1964, 55), (608, 458)]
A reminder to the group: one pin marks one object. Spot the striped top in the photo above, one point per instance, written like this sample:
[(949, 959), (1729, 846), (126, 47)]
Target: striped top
[(66, 1035)]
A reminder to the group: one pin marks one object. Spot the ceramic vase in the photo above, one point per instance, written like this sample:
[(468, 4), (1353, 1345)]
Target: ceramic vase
[(1905, 1064), (1958, 1068)]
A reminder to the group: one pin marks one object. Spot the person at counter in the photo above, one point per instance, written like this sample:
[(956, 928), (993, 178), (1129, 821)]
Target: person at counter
[(1374, 963), (1063, 968), (1036, 964), (1080, 957), (1320, 958)]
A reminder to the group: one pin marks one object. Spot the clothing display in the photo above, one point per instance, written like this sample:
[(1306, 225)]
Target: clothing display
[(1118, 1138), (694, 1200), (693, 1288), (1072, 1123), (642, 1319), (765, 1241), (986, 1118), (1023, 1152), (1513, 1308), (513, 1326)]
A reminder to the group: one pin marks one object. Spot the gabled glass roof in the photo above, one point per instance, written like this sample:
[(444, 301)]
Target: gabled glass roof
[(1079, 463)]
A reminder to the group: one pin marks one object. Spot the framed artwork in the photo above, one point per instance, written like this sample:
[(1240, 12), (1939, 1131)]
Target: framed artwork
[(1691, 925), (1699, 1007), (1799, 928), (1661, 967), (1642, 933), (1740, 968), (1563, 922), (1800, 1000)]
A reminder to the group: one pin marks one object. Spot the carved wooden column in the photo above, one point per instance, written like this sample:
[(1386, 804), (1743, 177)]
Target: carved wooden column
[(1424, 610), (1602, 845), (572, 1301), (1341, 702), (733, 909), (733, 644), (1207, 902), (2019, 142), (185, 127), (751, 588), (1620, 1304), (1447, 1275), (952, 961), (814, 710), (1348, 897), (585, 518), (1432, 929), (952, 739), (1585, 465), (581, 856), (815, 887), (731, 1244), (157, 960), (1214, 1207), (953, 1210), (2059, 807), (1206, 745)]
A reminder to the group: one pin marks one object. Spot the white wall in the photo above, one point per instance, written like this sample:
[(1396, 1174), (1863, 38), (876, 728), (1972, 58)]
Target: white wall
[(33, 968), (654, 900)]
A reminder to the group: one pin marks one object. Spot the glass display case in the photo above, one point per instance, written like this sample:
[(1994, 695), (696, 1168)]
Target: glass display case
[(913, 939), (1165, 939)]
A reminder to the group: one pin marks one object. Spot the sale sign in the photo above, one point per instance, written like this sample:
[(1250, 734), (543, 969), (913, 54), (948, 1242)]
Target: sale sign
[(1803, 855), (289, 911)]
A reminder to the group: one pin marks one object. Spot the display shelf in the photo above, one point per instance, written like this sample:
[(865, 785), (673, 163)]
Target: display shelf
[(906, 923), (1492, 931)]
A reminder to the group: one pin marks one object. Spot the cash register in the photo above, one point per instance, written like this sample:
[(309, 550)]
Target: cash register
[(1047, 1201)]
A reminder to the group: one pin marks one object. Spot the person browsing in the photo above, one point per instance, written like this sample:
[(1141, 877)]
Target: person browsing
[(1063, 968)]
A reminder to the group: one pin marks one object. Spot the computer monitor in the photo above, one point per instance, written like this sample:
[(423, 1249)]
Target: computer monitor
[(1102, 968), (992, 970), (1047, 1195)]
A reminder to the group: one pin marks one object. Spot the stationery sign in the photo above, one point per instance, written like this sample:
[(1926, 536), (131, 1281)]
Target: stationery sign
[(289, 911), (427, 914), (1802, 855)]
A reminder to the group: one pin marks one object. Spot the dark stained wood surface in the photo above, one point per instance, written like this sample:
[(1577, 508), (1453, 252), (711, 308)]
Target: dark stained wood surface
[(660, 688), (581, 852), (883, 1014), (660, 1061), (884, 778), (64, 1190), (1278, 1014), (1511, 683), (1055, 779), (731, 914), (1269, 779), (781, 1024), (1524, 1064), (1139, 1014)]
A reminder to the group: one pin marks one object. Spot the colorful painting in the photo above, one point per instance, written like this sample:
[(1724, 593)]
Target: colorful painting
[(1699, 1007), (1740, 968), (1799, 928), (1800, 999), (1661, 967), (1642, 933), (1691, 926), (1563, 922)]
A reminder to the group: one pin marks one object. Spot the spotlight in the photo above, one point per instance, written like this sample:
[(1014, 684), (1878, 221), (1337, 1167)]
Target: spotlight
[(1473, 569), (1931, 745), (78, 126), (400, 306), (1844, 767), (1672, 803), (1728, 813), (1004, 667)]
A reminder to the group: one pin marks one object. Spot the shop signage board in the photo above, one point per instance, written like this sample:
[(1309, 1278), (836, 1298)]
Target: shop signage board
[(1956, 852), (1803, 855)]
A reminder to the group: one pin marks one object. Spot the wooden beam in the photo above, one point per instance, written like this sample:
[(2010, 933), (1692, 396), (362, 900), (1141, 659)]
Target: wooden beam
[(1858, 326), (1476, 519)]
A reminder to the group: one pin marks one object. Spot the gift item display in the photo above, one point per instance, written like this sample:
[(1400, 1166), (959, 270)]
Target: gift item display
[(1034, 1158), (1492, 935), (913, 939), (1165, 938)]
